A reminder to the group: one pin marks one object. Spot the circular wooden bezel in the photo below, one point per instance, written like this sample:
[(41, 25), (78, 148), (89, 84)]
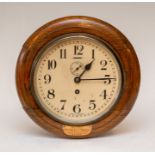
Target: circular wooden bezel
[(79, 24)]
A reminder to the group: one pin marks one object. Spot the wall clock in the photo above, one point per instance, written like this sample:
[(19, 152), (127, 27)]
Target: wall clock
[(77, 76)]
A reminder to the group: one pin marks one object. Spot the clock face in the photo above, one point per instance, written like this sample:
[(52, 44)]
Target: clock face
[(76, 79)]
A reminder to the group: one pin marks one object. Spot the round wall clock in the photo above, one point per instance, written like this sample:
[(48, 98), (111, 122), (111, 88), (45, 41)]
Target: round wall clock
[(77, 76)]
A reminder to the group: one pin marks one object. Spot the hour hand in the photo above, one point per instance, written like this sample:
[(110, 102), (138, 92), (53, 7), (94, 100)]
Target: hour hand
[(87, 67)]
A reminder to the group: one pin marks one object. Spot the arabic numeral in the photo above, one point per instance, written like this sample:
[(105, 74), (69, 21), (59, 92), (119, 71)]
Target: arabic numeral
[(103, 64)]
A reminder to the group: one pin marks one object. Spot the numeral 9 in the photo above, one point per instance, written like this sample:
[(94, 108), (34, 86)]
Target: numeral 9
[(47, 79)]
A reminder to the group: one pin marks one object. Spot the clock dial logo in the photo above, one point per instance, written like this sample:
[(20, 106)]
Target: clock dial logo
[(76, 79)]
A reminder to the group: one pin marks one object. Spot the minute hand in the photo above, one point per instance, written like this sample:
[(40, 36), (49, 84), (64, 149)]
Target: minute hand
[(100, 79)]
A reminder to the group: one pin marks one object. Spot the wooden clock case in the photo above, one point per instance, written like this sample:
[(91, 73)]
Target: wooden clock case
[(111, 36)]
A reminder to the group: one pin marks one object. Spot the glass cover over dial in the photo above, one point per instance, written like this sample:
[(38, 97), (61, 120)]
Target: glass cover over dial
[(76, 79)]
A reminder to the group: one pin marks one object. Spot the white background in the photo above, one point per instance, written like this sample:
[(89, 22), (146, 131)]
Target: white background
[(19, 20)]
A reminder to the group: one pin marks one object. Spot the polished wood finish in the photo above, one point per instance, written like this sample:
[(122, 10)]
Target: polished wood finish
[(79, 24)]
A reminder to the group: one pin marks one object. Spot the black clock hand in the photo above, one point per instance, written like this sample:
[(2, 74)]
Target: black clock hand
[(100, 79), (77, 79), (86, 68)]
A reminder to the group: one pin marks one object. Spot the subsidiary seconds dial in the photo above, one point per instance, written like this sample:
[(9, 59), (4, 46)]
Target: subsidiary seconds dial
[(76, 79)]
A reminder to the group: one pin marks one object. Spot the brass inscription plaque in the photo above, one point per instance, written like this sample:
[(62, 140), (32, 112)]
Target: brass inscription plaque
[(77, 130)]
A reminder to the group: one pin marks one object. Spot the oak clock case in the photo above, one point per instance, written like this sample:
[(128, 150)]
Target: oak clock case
[(77, 76)]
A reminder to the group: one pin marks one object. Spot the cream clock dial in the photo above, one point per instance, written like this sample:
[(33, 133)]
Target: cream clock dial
[(76, 79)]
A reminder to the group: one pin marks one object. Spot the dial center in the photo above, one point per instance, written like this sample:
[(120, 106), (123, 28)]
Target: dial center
[(77, 79)]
